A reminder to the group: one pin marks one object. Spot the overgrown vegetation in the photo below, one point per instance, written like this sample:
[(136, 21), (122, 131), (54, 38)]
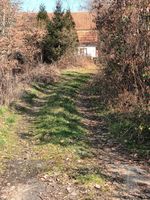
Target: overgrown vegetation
[(68, 128), (122, 25), (132, 129), (20, 50), (124, 54)]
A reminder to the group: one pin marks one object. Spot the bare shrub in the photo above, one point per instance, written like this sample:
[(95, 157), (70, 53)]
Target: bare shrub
[(123, 80), (20, 50), (124, 48), (44, 74), (72, 59), (8, 85)]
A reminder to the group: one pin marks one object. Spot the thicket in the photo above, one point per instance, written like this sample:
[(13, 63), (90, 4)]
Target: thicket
[(124, 53), (20, 49)]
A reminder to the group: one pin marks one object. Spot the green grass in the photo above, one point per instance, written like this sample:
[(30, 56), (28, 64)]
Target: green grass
[(57, 125), (7, 120), (8, 138), (58, 121), (58, 129), (91, 179), (132, 130), (88, 177)]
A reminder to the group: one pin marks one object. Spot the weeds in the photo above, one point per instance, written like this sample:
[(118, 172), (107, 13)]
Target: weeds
[(133, 130)]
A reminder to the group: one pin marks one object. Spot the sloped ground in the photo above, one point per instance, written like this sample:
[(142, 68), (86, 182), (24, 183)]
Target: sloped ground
[(66, 149)]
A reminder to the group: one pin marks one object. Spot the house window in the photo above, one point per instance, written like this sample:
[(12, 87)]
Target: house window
[(83, 51)]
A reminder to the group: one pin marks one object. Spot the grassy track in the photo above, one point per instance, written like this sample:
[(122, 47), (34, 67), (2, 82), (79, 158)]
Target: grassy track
[(59, 133), (56, 132), (58, 129)]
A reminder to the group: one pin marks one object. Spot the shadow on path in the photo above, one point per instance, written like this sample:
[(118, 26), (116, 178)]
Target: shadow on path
[(65, 114), (52, 109), (129, 175)]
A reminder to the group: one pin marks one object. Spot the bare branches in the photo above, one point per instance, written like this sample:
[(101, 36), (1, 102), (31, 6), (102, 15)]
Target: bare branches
[(7, 15), (124, 45), (20, 48)]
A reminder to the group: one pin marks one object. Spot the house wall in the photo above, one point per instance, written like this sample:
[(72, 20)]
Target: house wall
[(87, 51)]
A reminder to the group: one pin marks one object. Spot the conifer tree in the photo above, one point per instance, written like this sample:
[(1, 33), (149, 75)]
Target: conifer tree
[(72, 37), (42, 16), (61, 35)]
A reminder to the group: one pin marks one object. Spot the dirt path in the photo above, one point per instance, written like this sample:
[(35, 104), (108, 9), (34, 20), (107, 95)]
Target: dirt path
[(129, 176), (67, 151)]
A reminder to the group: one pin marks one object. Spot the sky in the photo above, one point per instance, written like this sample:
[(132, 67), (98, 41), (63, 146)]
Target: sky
[(33, 5)]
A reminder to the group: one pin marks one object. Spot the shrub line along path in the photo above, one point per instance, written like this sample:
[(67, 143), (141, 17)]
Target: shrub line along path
[(65, 150)]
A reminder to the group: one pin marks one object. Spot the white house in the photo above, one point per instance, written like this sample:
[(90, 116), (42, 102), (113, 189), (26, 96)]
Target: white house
[(89, 50)]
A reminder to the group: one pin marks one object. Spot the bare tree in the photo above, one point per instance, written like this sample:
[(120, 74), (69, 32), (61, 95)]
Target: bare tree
[(8, 10)]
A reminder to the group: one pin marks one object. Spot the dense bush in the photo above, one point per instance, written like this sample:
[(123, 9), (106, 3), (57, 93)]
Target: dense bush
[(124, 44), (132, 129), (20, 50), (123, 81)]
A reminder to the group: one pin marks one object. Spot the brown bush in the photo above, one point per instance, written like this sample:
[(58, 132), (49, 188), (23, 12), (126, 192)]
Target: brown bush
[(124, 48), (71, 60), (20, 50), (44, 74)]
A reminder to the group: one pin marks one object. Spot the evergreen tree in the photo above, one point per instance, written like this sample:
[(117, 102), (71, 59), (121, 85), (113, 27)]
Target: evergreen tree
[(69, 22), (59, 37), (72, 37), (42, 16)]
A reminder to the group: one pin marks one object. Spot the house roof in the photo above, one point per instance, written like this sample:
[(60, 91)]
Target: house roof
[(85, 27), (87, 37), (84, 20)]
